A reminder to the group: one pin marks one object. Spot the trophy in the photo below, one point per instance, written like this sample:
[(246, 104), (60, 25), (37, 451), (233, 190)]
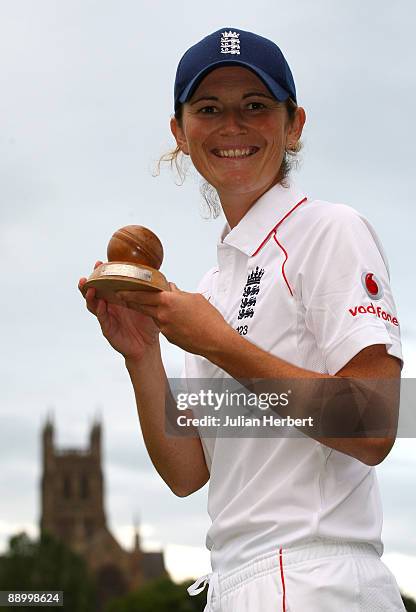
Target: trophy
[(135, 255)]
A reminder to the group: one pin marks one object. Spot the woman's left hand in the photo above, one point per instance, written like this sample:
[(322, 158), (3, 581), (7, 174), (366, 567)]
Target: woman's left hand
[(185, 319)]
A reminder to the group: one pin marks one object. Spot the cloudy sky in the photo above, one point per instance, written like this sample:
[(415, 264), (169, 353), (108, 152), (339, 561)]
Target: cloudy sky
[(86, 98)]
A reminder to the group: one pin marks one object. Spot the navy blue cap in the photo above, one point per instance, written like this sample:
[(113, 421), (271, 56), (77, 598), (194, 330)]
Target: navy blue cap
[(230, 47)]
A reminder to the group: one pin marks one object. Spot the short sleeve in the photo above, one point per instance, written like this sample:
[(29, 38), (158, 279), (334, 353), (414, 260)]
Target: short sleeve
[(346, 290)]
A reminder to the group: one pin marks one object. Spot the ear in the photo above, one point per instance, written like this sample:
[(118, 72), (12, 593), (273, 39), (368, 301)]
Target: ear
[(295, 129), (179, 135)]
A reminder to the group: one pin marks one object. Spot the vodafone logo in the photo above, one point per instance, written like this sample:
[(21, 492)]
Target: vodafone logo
[(372, 285), (371, 309)]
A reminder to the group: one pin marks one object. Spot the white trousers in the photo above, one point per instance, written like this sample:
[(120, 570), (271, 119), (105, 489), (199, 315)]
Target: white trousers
[(318, 577)]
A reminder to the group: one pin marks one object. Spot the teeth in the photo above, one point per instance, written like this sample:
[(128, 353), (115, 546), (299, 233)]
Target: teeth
[(234, 152)]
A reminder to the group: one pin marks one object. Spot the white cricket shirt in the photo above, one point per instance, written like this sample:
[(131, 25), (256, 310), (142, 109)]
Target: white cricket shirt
[(307, 281)]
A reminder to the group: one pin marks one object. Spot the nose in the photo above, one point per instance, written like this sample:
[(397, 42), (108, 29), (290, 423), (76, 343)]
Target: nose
[(232, 123)]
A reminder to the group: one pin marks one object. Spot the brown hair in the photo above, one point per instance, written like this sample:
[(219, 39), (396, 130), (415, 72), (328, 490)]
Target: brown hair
[(208, 192)]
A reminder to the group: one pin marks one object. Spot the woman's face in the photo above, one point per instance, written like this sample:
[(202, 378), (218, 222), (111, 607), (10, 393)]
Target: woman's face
[(235, 131)]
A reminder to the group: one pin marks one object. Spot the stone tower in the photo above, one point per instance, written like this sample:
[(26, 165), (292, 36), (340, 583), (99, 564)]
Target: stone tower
[(72, 509)]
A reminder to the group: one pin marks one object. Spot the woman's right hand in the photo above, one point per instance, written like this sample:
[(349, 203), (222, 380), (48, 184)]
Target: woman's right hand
[(129, 332)]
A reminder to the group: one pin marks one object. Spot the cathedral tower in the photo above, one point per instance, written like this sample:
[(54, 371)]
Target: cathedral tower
[(72, 509)]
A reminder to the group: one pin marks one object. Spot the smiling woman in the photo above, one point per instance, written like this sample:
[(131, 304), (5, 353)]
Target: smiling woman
[(255, 101), (237, 139), (296, 518)]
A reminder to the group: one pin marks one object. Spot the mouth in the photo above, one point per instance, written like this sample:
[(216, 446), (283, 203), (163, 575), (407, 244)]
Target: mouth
[(235, 153)]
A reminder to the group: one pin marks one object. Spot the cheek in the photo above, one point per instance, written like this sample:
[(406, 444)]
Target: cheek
[(277, 142), (195, 135), (277, 124), (277, 131), (195, 141)]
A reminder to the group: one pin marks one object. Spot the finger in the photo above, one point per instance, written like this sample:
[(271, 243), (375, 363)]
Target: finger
[(83, 279), (150, 311), (90, 294), (132, 306), (81, 284), (140, 297), (91, 300), (173, 287), (101, 311)]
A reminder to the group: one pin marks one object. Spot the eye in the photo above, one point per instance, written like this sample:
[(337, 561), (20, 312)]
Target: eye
[(255, 105), (208, 110)]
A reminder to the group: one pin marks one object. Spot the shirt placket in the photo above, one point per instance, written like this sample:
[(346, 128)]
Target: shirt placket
[(226, 267)]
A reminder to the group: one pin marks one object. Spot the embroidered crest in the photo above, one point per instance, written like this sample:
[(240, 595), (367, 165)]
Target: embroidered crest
[(230, 42), (251, 289)]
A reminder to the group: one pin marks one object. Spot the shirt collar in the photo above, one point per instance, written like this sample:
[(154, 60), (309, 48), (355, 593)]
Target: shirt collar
[(262, 219)]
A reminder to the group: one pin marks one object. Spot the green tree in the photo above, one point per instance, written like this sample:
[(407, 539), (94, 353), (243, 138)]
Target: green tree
[(409, 604), (47, 564), (160, 595)]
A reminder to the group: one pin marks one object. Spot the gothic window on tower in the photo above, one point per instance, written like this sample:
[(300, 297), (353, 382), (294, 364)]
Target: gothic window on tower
[(84, 488), (67, 489)]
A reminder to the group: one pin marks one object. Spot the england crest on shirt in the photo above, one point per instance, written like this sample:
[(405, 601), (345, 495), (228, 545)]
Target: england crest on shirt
[(250, 291)]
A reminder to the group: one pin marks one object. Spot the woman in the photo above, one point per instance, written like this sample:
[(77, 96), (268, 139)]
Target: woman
[(301, 291)]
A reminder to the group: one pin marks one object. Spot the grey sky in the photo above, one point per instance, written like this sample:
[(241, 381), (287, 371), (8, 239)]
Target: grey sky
[(84, 110)]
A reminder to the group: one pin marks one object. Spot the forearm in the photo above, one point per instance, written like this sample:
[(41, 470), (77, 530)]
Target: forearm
[(344, 405), (179, 460)]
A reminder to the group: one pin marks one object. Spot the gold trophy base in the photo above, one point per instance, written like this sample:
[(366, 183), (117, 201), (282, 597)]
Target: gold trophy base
[(108, 278)]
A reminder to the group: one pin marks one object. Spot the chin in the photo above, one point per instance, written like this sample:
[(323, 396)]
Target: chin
[(236, 184)]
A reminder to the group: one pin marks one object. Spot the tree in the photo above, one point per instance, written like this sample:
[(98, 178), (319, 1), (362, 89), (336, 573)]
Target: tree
[(409, 604), (161, 595), (47, 564)]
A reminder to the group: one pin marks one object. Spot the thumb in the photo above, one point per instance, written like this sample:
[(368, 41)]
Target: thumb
[(173, 287)]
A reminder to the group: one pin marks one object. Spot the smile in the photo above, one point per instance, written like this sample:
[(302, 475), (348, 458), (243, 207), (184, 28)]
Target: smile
[(235, 153)]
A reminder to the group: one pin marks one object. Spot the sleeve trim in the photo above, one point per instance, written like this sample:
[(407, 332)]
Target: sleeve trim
[(350, 346)]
